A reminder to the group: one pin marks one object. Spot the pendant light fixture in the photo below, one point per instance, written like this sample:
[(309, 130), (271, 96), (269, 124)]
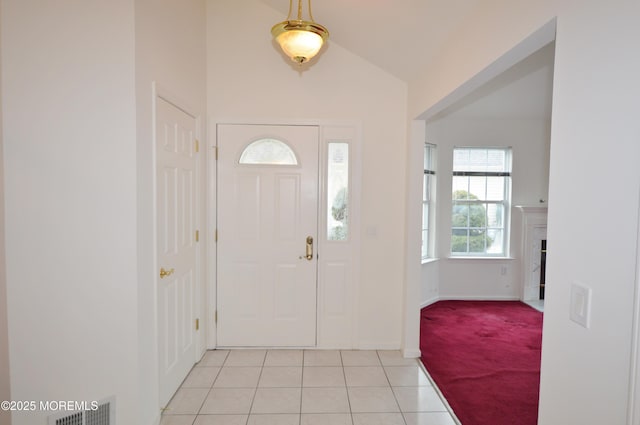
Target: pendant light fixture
[(299, 39)]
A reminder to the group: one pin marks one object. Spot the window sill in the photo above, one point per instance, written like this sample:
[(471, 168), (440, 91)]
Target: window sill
[(479, 258), (429, 260)]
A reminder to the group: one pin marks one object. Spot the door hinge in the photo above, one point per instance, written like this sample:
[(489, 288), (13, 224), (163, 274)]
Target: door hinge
[(197, 324), (197, 145), (215, 235), (215, 152), (215, 317), (197, 235)]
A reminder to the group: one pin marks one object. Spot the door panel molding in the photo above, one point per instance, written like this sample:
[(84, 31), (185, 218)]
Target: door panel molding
[(266, 212), (175, 250)]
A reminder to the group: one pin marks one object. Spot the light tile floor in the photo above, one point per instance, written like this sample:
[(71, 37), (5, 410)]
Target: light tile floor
[(306, 387)]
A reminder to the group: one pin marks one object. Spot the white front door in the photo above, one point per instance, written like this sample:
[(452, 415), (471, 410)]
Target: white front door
[(176, 257), (267, 235)]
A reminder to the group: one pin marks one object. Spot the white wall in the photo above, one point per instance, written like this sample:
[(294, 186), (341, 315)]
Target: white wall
[(70, 202), (594, 129), (249, 79), (593, 183), (413, 294), (529, 140), (170, 51), (430, 283), (5, 390)]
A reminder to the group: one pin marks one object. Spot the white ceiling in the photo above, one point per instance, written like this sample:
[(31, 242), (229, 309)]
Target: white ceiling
[(403, 36), (399, 36)]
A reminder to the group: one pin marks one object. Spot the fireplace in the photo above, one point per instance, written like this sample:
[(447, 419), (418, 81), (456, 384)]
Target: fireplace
[(533, 224)]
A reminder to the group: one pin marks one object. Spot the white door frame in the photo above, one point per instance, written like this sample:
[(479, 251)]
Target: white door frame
[(633, 406), (346, 255)]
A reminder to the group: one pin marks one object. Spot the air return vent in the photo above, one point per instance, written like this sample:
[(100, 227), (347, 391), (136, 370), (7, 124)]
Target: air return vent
[(102, 413)]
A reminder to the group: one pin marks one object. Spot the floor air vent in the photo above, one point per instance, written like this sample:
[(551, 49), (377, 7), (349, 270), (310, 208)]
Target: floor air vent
[(103, 414), (72, 419)]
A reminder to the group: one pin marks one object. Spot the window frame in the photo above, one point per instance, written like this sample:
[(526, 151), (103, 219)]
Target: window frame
[(485, 202), (428, 201)]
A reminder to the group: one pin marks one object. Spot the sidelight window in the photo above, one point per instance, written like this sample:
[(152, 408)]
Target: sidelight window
[(338, 191)]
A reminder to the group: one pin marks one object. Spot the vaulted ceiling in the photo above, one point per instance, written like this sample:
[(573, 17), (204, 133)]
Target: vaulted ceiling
[(403, 36)]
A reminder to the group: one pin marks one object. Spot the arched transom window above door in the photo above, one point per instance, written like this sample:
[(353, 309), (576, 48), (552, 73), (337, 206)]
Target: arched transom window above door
[(268, 151)]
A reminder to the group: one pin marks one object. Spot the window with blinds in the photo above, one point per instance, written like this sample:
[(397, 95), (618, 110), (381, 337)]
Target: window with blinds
[(481, 191)]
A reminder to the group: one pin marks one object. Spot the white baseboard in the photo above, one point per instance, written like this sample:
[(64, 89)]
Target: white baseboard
[(468, 298), (478, 298), (366, 345), (411, 354), (429, 302)]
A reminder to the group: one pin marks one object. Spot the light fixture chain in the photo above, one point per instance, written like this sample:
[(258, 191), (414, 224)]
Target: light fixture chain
[(290, 8), (310, 14), (299, 10)]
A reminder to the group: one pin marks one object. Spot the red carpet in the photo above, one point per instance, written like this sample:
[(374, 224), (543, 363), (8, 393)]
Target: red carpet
[(485, 358)]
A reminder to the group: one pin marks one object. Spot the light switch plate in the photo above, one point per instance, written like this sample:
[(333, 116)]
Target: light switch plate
[(580, 309)]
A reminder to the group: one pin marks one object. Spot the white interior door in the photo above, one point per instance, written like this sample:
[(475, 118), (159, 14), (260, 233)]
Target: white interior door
[(176, 250), (267, 235)]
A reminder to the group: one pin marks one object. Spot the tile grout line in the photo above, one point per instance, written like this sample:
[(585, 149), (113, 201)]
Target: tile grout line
[(255, 392), (211, 388), (404, 419), (301, 387), (346, 388)]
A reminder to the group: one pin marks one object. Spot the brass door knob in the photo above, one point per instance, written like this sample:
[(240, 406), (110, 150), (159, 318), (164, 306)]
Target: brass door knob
[(164, 273), (308, 249)]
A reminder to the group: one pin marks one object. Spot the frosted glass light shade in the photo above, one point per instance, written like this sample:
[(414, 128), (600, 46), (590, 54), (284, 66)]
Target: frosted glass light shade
[(299, 45), (300, 40)]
